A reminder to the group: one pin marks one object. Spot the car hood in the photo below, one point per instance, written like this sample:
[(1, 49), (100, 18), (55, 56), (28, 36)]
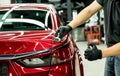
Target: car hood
[(20, 42)]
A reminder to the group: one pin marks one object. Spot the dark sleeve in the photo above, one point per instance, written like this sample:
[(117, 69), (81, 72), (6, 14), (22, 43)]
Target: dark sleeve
[(101, 2)]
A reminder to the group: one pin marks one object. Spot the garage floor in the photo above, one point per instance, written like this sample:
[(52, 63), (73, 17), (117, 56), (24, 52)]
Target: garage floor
[(92, 68)]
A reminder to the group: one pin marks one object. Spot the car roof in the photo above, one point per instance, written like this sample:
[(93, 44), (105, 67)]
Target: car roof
[(29, 5)]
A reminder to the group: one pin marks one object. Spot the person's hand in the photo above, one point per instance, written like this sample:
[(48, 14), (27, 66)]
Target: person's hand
[(92, 53), (62, 31)]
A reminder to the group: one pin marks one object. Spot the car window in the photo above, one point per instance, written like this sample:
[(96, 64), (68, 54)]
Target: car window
[(26, 20)]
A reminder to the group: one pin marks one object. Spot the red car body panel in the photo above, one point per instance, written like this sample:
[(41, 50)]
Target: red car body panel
[(18, 41), (21, 45)]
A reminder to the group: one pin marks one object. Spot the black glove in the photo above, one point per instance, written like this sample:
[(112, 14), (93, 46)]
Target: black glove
[(62, 31), (92, 53)]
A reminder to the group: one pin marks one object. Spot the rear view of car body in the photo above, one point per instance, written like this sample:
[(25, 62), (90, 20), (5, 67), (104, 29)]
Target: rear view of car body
[(30, 50)]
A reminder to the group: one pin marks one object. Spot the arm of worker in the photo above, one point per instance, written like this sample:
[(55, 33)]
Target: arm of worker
[(95, 53), (84, 15), (111, 51)]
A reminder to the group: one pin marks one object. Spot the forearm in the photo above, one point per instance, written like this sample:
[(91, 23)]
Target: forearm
[(80, 18), (85, 14), (111, 51)]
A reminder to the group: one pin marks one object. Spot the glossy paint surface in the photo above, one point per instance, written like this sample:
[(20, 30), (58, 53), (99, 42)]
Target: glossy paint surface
[(64, 56)]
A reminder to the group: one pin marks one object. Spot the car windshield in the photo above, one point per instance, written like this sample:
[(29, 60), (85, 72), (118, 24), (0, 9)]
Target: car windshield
[(25, 20)]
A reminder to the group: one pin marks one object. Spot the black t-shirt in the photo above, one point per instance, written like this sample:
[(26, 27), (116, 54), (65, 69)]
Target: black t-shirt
[(88, 2), (112, 20)]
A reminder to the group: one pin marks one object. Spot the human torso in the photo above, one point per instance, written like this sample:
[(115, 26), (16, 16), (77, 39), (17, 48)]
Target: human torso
[(112, 21)]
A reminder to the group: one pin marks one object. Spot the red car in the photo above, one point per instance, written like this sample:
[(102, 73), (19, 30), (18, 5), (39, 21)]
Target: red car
[(27, 45)]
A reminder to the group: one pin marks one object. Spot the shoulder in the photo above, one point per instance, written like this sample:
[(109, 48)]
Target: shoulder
[(103, 2)]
